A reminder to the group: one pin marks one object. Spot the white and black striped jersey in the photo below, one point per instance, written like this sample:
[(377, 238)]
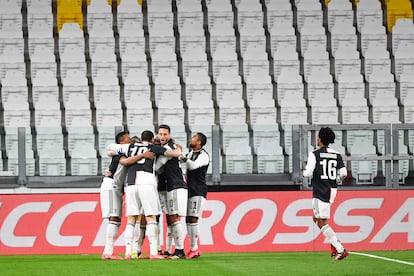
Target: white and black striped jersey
[(197, 165), (172, 172), (113, 166), (118, 171), (144, 164), (323, 165)]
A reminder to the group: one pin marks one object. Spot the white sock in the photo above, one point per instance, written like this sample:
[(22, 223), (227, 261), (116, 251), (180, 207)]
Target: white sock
[(193, 233), (111, 233), (331, 236), (136, 235), (129, 235), (169, 240), (152, 229), (177, 233)]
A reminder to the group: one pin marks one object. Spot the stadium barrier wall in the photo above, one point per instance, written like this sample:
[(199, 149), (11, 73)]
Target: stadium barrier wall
[(71, 223)]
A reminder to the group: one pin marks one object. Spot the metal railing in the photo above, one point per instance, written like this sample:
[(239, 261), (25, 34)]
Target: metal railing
[(300, 141)]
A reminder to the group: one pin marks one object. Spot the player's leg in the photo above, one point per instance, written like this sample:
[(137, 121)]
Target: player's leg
[(321, 213), (194, 211), (141, 237), (132, 212), (111, 203), (177, 204), (169, 240), (135, 240), (151, 207)]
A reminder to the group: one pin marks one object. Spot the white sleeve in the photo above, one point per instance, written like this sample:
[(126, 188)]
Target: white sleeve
[(120, 149), (342, 173), (202, 160), (161, 160), (310, 165)]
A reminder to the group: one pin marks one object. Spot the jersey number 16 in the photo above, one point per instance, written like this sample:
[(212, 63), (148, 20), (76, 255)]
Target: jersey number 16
[(328, 169)]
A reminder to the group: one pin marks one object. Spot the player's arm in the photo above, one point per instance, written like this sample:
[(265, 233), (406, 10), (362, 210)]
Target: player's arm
[(126, 161), (107, 172), (176, 152), (167, 150), (161, 160), (310, 165), (342, 172), (115, 149), (202, 160)]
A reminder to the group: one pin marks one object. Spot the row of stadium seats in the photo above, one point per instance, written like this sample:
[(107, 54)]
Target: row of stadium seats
[(77, 68)]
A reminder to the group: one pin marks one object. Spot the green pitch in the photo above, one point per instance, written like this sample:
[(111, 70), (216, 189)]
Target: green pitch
[(295, 263)]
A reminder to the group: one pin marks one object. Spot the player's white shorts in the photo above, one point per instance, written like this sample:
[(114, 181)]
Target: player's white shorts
[(195, 206), (142, 198), (111, 198), (321, 209), (177, 202), (163, 201)]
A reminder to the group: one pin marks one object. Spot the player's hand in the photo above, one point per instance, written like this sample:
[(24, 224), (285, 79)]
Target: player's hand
[(107, 172), (183, 158)]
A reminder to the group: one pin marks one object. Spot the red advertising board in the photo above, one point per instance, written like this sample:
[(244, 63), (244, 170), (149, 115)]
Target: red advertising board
[(232, 222)]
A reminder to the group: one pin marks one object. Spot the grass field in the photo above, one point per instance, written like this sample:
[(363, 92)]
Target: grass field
[(292, 263)]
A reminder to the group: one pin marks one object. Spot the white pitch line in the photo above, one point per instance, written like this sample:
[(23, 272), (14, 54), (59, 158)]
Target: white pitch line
[(382, 258)]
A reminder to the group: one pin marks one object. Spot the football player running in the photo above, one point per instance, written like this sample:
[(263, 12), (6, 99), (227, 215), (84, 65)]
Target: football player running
[(327, 169)]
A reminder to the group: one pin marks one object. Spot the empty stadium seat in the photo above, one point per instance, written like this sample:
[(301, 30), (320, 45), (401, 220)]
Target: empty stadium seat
[(11, 150), (312, 31), (171, 116), (168, 96), (13, 7), (193, 48), (218, 5), (39, 7), (160, 24), (199, 95), (368, 10), (200, 116), (402, 31), (81, 149), (398, 9), (130, 25), (339, 10), (188, 6), (273, 5), (343, 32), (250, 23), (372, 34), (236, 149), (308, 10), (50, 150), (40, 25), (403, 57), (248, 5), (129, 7)]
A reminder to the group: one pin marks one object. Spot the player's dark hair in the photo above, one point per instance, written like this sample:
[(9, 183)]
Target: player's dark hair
[(135, 139), (167, 127), (326, 135), (202, 138), (120, 135), (147, 135)]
